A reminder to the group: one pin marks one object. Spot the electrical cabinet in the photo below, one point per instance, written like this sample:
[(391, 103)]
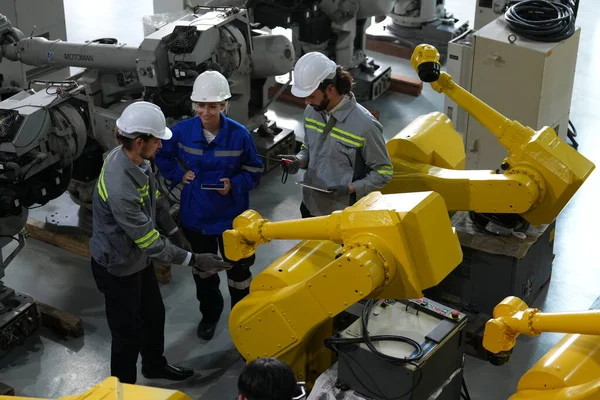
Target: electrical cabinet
[(527, 81), (436, 375), (459, 65), (33, 17), (487, 11)]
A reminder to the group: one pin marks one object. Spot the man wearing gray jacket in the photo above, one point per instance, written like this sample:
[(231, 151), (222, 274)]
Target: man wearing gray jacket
[(344, 151), (127, 213)]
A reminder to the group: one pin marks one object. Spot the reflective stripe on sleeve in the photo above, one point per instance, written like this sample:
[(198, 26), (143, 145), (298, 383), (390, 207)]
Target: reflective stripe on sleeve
[(386, 170), (147, 240), (228, 153), (250, 168), (102, 187)]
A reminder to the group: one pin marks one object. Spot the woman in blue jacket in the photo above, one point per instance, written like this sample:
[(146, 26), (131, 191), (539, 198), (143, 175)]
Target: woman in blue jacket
[(206, 151)]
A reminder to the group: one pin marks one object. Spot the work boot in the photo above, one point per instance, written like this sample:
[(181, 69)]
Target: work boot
[(206, 330), (168, 371)]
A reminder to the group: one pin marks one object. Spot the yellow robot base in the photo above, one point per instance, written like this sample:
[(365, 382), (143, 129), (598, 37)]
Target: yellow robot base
[(112, 389)]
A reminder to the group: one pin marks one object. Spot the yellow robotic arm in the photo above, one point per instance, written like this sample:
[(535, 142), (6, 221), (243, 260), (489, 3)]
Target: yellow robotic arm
[(540, 175), (112, 389), (391, 246), (570, 370), (382, 247)]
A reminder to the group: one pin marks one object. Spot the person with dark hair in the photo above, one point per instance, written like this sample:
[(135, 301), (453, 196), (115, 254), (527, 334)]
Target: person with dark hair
[(128, 212), (216, 160), (344, 151), (267, 379)]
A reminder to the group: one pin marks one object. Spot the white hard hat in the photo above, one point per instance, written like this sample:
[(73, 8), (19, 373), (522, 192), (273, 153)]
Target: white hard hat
[(310, 70), (143, 117), (210, 87)]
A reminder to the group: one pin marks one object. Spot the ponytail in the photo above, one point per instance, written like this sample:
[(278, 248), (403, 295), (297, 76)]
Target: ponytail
[(342, 81)]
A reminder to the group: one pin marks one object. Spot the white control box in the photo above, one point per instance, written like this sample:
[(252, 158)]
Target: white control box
[(527, 81)]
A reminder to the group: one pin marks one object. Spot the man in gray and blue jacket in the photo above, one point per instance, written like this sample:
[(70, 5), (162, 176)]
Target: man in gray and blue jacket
[(344, 151), (127, 215)]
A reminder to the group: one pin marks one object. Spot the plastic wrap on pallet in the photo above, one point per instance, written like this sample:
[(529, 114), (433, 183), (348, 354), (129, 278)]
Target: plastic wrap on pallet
[(326, 388), (154, 22), (474, 237)]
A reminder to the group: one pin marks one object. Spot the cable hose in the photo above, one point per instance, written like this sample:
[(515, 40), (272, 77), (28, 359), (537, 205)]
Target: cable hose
[(542, 21), (368, 339)]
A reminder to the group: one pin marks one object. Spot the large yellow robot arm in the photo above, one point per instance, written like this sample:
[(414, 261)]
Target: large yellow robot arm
[(540, 175), (391, 246), (570, 370)]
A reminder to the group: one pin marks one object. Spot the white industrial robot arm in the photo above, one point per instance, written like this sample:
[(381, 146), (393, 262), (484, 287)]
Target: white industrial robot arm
[(44, 134)]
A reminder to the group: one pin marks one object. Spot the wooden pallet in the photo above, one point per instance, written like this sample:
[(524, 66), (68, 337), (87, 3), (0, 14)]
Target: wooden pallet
[(389, 48), (61, 322), (79, 244), (6, 390), (403, 84), (76, 244)]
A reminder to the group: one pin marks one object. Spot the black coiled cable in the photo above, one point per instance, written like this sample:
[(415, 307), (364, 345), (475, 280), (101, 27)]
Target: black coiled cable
[(542, 21), (334, 343)]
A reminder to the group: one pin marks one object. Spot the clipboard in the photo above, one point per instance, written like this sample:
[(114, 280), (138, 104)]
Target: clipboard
[(314, 188)]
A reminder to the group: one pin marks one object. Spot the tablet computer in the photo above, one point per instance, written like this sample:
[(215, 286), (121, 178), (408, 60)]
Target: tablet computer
[(212, 186), (314, 188)]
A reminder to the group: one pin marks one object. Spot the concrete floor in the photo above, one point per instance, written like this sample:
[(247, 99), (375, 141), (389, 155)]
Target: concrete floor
[(47, 366)]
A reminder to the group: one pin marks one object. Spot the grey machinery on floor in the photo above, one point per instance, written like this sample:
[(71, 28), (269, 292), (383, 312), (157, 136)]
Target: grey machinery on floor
[(53, 139), (336, 28), (412, 22), (340, 29)]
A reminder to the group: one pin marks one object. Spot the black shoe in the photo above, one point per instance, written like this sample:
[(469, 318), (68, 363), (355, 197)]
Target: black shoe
[(206, 330), (170, 372)]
